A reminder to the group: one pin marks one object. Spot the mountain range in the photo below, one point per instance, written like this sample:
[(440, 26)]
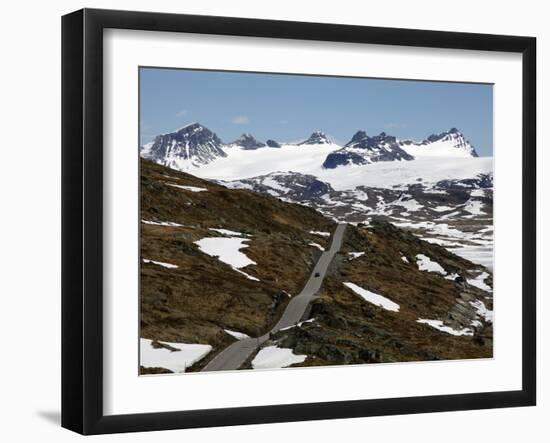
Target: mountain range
[(194, 146), (438, 188)]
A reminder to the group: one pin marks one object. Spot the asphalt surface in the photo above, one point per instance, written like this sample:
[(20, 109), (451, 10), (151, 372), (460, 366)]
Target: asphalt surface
[(237, 353)]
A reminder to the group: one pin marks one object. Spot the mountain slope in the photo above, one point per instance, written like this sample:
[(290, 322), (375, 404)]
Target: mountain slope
[(439, 315), (362, 149), (191, 146), (215, 259), (447, 144)]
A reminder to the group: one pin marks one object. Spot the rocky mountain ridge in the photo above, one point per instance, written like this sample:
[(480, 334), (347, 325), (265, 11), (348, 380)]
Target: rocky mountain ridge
[(194, 146)]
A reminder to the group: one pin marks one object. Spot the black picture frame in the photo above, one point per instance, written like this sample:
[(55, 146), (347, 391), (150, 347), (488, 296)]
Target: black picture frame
[(82, 218)]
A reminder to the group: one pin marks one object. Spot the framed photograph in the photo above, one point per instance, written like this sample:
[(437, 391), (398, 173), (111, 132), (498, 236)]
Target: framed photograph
[(269, 221)]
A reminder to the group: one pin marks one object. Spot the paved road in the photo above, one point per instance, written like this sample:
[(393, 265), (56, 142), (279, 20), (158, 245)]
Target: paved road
[(236, 354)]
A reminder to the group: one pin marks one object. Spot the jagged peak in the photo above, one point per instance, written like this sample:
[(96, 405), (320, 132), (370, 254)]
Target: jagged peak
[(448, 143), (246, 136), (316, 138), (248, 141), (451, 132), (359, 135)]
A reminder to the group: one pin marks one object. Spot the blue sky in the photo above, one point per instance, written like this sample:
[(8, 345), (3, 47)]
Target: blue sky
[(289, 107)]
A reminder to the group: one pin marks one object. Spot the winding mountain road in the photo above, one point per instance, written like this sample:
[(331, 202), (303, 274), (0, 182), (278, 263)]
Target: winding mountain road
[(237, 353)]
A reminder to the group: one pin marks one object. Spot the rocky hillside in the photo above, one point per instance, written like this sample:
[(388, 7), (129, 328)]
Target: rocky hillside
[(220, 264), (425, 304), (215, 260)]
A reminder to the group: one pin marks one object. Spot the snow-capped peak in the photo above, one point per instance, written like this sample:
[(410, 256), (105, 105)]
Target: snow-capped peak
[(362, 149), (190, 146), (450, 143), (317, 138)]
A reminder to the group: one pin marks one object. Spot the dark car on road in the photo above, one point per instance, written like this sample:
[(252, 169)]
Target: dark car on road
[(316, 274)]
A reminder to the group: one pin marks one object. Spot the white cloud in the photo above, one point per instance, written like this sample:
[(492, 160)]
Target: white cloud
[(181, 113), (240, 120)]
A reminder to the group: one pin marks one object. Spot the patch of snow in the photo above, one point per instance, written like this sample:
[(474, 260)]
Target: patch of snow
[(316, 245), (482, 310), (321, 233), (175, 361), (250, 277), (410, 205), (159, 263), (171, 224), (272, 357), (237, 185), (187, 188), (360, 207), (236, 334), (405, 259), (477, 193), (476, 323), (311, 320), (448, 216), (442, 208), (373, 298), (424, 263), (441, 241), (355, 254), (474, 207), (361, 195), (328, 201), (479, 282), (438, 324), (227, 249), (274, 184), (145, 150)]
